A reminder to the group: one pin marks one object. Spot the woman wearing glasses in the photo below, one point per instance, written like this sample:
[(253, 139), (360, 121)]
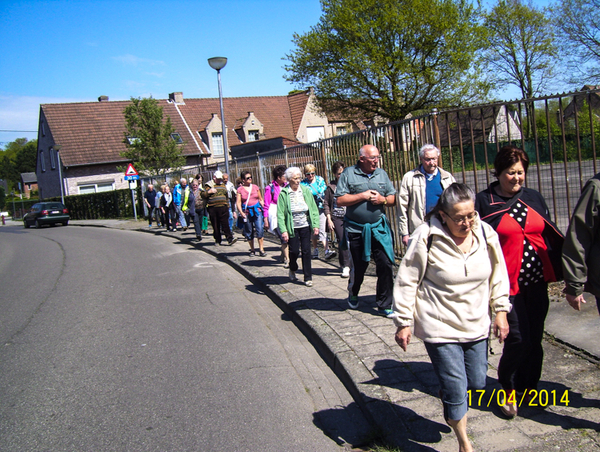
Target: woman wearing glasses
[(531, 244), (317, 186), (452, 275), (250, 206)]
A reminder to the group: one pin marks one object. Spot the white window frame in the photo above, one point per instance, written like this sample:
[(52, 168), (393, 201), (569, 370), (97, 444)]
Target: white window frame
[(217, 146)]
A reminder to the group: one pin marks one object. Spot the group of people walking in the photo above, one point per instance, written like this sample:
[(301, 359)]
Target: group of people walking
[(472, 261)]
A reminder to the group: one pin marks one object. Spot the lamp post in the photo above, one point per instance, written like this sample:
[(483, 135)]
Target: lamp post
[(218, 63), (57, 148)]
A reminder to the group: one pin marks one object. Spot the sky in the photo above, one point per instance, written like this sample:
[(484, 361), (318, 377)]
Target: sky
[(58, 51)]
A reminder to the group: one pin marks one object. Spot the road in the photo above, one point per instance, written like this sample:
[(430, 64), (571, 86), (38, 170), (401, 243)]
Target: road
[(118, 341)]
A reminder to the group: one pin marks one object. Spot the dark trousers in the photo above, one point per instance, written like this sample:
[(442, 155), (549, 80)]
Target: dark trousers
[(344, 254), (198, 221), (151, 212), (520, 366), (170, 219), (219, 218), (301, 241), (384, 269)]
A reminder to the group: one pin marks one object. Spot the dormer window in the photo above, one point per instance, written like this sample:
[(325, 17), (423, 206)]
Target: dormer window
[(217, 144), (253, 135), (177, 138)]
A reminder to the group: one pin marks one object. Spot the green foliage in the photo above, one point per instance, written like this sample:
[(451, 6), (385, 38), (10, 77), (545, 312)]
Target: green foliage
[(2, 198), (521, 49), (148, 139), (105, 205), (18, 157), (388, 58)]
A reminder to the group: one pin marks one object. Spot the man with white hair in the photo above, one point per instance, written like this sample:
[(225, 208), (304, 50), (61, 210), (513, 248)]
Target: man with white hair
[(420, 190)]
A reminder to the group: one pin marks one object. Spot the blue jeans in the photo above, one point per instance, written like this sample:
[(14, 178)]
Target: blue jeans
[(459, 367), (180, 216), (230, 220), (254, 226)]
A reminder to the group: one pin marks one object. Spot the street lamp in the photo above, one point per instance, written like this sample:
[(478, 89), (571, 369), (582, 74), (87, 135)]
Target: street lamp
[(218, 63), (57, 148)]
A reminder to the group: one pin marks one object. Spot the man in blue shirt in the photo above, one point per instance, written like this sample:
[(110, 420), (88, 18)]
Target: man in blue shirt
[(365, 190)]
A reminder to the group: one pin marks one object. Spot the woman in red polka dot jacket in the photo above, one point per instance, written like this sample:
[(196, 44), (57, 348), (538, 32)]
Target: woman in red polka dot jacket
[(531, 244)]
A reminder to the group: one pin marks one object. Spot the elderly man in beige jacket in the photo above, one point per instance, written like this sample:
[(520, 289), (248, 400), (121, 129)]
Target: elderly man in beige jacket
[(420, 191)]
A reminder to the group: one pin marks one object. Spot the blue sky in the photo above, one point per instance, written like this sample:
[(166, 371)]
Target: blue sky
[(76, 50)]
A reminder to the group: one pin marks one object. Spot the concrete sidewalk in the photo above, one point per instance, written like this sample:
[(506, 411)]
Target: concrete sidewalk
[(398, 390)]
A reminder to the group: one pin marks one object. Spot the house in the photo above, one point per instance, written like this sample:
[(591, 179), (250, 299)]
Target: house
[(29, 183), (590, 97), (81, 143), (489, 124)]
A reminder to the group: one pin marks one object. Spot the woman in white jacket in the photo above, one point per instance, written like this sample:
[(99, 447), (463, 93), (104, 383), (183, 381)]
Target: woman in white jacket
[(451, 275)]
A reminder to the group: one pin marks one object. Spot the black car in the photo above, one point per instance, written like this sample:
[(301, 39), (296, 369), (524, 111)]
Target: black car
[(46, 213)]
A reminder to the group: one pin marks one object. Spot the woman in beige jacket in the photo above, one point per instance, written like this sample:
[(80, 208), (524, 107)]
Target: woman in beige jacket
[(452, 274)]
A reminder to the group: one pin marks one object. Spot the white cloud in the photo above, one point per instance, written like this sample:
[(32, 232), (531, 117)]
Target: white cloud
[(132, 60)]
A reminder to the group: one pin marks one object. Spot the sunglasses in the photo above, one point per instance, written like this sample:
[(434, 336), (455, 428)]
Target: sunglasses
[(249, 177), (310, 174)]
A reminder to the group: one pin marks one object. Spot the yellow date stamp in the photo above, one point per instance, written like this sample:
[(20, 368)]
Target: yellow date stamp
[(532, 397)]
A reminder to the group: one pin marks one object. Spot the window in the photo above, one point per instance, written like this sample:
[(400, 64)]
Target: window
[(42, 161), (341, 130), (253, 135), (217, 144), (133, 140), (52, 158), (95, 188), (177, 138), (315, 133)]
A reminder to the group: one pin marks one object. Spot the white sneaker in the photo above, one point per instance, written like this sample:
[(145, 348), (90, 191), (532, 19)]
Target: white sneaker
[(293, 276), (346, 272), (308, 283)]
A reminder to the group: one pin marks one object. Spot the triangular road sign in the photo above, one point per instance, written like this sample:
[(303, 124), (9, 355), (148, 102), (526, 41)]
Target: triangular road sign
[(131, 171)]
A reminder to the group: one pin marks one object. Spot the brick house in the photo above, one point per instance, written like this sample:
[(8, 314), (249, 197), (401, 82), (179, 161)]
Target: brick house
[(87, 138)]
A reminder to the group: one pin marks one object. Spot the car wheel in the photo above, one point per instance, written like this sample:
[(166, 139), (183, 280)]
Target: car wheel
[(38, 224), (52, 224)]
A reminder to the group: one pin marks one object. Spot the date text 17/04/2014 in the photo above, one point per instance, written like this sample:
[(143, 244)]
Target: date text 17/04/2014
[(531, 397)]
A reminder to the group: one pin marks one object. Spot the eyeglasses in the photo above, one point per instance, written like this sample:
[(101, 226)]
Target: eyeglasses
[(249, 177), (310, 174), (373, 159), (466, 219)]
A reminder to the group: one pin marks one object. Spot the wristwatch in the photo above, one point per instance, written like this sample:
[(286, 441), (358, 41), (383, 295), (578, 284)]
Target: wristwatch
[(385, 201)]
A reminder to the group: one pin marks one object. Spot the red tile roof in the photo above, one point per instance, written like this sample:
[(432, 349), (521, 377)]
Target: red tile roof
[(92, 132)]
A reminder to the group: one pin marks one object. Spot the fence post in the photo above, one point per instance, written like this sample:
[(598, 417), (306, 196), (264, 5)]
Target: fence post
[(324, 160), (260, 170), (436, 135)]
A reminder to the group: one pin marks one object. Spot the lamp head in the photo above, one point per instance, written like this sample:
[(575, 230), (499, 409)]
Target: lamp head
[(217, 63), (57, 147)]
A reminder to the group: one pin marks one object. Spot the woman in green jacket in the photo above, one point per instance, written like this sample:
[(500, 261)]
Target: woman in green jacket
[(298, 221)]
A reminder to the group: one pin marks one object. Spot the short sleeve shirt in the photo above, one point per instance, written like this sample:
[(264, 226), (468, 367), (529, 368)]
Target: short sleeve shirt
[(353, 181)]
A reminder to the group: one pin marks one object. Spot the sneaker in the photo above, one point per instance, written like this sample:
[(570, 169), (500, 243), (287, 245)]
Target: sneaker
[(286, 263), (199, 238), (252, 253), (174, 229), (385, 312), (293, 276), (315, 253), (346, 272), (353, 301), (308, 283), (330, 253), (262, 253), (149, 226), (232, 241)]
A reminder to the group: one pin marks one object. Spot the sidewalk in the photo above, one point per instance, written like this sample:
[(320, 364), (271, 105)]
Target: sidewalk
[(398, 390)]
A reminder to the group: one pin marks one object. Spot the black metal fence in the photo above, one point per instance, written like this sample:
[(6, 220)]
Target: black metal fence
[(560, 133)]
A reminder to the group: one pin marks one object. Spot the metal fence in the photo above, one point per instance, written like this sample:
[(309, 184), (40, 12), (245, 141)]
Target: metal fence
[(559, 133)]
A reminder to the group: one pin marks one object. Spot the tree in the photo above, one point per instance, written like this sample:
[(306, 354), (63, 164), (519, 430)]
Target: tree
[(579, 24), (390, 57), (18, 157), (521, 49), (150, 146)]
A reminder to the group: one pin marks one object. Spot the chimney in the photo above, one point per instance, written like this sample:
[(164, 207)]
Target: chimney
[(103, 99), (176, 97)]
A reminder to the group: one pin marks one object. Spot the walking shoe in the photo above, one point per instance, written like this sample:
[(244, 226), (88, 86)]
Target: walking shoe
[(330, 253), (199, 238), (252, 253), (385, 312), (286, 263), (308, 283), (315, 253), (232, 241), (293, 276), (262, 253), (353, 301), (346, 272)]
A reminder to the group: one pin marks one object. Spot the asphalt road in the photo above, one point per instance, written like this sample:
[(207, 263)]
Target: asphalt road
[(113, 340)]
